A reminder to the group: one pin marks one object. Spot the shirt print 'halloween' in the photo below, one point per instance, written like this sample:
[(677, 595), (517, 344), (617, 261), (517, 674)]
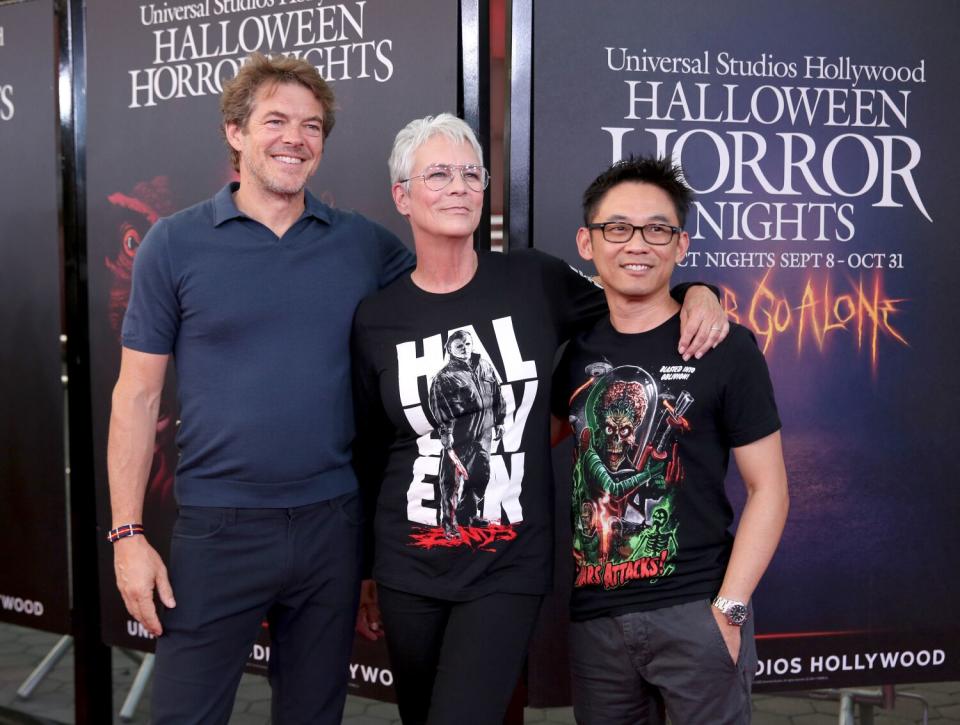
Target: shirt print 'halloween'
[(452, 399)]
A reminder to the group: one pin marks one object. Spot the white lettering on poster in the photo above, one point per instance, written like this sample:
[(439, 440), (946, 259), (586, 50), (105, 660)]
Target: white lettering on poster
[(199, 46), (877, 660), (135, 629), (21, 605), (6, 102), (260, 653), (784, 150), (371, 675), (707, 112), (6, 93), (818, 666)]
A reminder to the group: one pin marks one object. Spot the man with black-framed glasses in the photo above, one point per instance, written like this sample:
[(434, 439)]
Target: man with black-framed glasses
[(660, 608)]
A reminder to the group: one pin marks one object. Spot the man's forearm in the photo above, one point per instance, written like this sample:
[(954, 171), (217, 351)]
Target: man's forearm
[(758, 534), (130, 446), (761, 524)]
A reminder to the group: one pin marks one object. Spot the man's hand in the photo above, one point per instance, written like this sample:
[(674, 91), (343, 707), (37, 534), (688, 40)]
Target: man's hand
[(703, 323), (369, 622), (730, 632), (139, 569)]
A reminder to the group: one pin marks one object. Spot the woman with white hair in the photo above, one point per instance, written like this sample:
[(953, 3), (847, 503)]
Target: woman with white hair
[(452, 375)]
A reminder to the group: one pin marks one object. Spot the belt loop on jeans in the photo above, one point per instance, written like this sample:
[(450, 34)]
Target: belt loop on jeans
[(229, 517)]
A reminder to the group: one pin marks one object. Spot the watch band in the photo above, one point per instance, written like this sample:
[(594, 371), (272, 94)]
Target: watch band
[(735, 612)]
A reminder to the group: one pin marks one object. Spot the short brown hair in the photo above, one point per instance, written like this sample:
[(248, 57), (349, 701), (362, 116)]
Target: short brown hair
[(236, 102)]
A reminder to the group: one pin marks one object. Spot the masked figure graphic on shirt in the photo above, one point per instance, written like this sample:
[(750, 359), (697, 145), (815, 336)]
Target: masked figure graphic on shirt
[(469, 410), (626, 466)]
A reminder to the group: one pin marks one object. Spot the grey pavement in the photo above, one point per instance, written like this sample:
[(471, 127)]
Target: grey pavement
[(22, 649)]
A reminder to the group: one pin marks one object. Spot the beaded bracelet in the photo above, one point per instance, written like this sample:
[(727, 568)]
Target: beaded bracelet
[(121, 532)]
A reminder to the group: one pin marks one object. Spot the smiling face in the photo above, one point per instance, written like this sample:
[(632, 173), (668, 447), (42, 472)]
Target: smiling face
[(281, 145), (635, 269), (454, 211)]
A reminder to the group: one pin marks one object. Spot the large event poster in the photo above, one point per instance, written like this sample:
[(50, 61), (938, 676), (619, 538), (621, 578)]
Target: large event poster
[(32, 486), (155, 71), (820, 140)]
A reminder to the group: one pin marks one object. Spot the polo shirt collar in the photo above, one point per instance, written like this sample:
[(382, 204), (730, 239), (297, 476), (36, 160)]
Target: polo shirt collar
[(225, 208), (316, 208)]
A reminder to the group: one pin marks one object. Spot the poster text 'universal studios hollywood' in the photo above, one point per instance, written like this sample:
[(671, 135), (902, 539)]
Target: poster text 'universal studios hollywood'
[(198, 46), (782, 154)]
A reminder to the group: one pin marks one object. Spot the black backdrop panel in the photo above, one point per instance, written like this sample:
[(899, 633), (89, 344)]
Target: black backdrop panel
[(154, 147), (820, 140), (33, 539)]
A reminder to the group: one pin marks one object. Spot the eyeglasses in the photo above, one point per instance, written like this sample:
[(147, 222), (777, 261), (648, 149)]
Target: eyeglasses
[(439, 176), (654, 233)]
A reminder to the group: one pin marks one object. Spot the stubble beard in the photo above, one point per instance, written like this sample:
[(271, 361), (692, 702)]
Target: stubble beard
[(274, 183)]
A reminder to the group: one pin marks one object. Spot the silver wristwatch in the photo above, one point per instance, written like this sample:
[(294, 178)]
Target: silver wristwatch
[(735, 612)]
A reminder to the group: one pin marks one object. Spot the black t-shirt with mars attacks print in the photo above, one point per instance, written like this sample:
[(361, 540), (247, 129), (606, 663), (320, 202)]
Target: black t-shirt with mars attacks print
[(452, 399), (653, 435)]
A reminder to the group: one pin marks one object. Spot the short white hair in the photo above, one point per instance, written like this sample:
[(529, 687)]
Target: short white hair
[(416, 133)]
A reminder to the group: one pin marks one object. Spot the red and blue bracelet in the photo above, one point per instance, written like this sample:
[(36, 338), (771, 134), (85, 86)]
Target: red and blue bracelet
[(121, 532)]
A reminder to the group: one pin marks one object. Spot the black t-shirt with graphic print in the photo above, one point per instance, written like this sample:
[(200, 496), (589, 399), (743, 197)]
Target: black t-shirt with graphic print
[(652, 440), (453, 427)]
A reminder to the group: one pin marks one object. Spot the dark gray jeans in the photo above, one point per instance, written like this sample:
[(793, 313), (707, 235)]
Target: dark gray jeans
[(625, 668)]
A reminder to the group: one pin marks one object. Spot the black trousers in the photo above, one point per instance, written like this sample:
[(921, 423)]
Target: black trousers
[(231, 569), (456, 663)]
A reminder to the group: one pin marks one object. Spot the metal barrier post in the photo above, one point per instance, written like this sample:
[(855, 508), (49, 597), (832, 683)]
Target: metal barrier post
[(55, 654), (136, 689)]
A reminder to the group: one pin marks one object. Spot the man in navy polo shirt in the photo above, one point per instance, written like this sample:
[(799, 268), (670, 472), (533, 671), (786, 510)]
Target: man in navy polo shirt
[(253, 293)]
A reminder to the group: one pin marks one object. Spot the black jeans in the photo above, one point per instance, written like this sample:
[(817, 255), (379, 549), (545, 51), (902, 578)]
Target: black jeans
[(231, 569), (456, 663)]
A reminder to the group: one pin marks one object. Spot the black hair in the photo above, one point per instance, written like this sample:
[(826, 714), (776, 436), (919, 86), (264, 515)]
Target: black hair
[(660, 172)]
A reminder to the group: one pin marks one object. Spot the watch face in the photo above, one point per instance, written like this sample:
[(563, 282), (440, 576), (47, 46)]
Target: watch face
[(736, 614)]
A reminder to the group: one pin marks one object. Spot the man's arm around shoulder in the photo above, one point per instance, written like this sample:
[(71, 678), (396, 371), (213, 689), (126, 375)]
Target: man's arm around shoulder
[(133, 424)]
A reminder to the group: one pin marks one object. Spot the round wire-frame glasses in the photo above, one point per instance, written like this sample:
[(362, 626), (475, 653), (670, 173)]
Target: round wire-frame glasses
[(437, 177)]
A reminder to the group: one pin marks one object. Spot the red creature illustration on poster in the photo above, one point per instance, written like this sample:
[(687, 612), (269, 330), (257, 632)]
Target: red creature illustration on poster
[(137, 212)]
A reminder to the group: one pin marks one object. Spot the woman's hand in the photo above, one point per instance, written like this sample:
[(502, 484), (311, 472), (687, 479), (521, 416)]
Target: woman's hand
[(703, 323), (369, 622)]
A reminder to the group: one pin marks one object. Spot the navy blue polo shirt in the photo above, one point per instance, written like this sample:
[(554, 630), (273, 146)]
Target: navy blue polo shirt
[(259, 328)]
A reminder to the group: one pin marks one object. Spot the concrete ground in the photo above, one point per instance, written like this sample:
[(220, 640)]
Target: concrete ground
[(52, 701)]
